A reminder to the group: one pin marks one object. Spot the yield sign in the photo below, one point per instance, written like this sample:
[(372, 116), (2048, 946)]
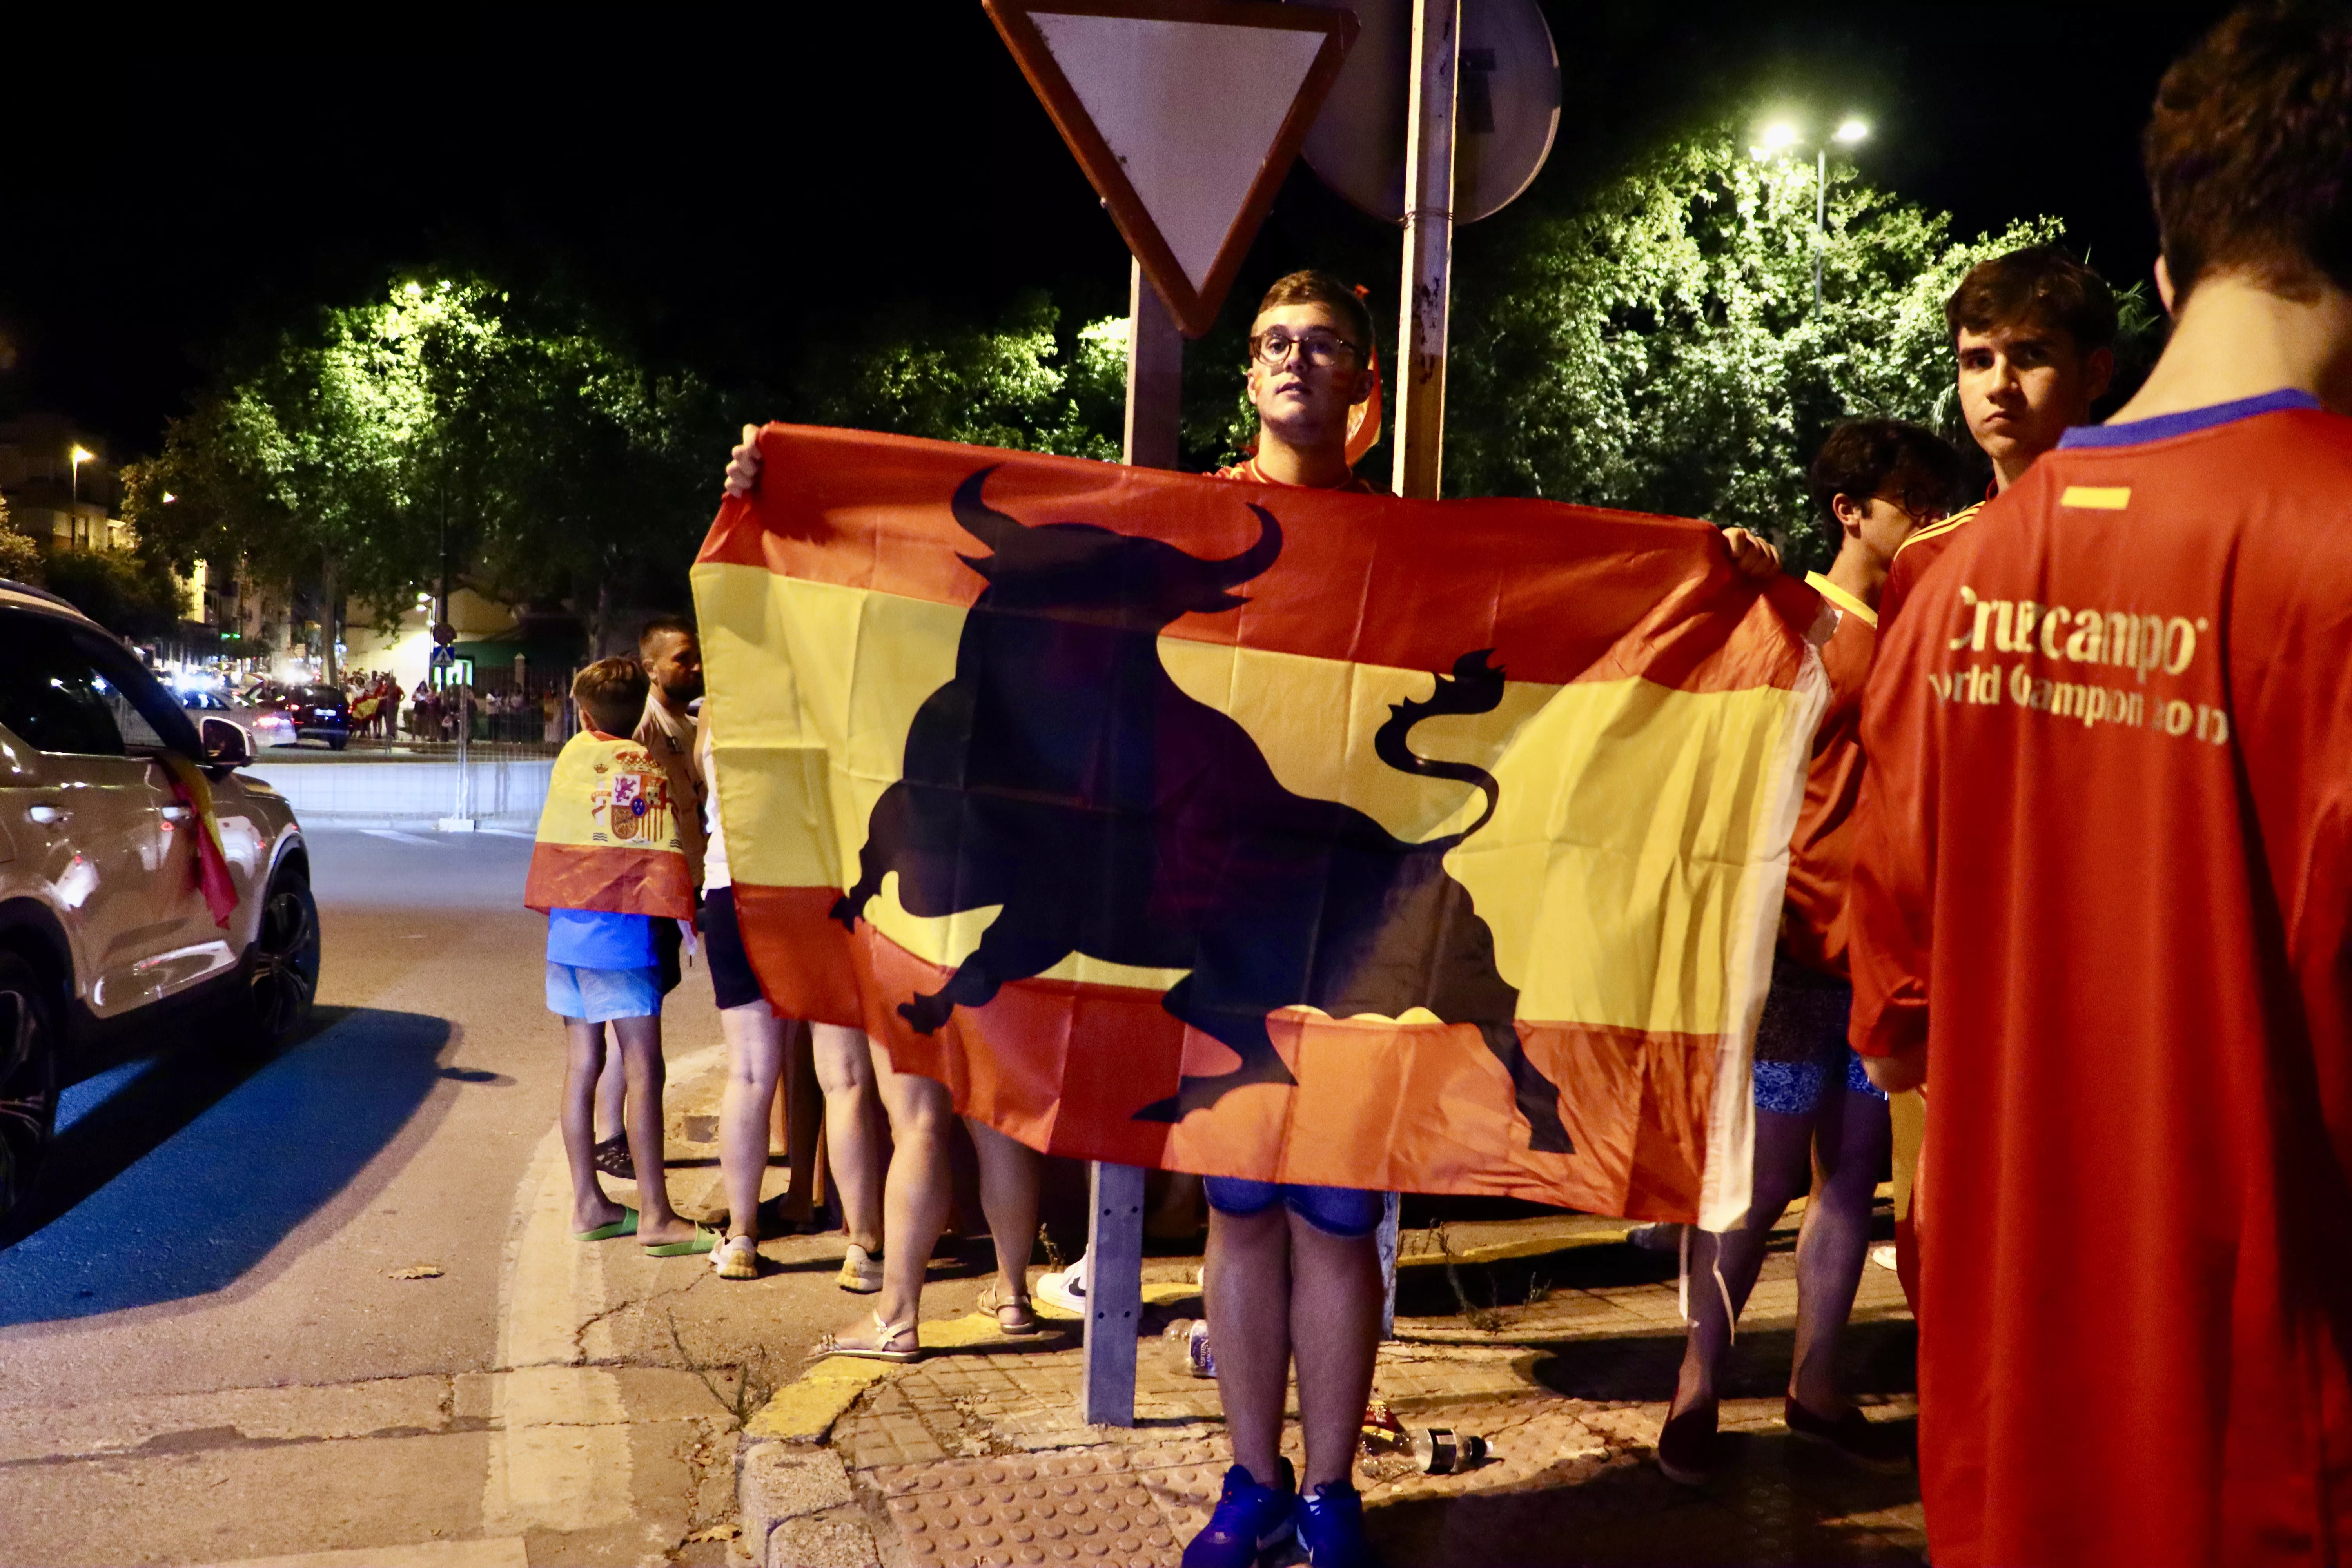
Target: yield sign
[(1185, 114)]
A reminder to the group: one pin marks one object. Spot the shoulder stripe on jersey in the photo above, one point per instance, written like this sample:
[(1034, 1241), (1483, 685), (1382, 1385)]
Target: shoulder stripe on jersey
[(1937, 530)]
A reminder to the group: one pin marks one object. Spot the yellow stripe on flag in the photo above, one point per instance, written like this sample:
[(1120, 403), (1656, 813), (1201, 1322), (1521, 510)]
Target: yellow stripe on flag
[(1613, 873)]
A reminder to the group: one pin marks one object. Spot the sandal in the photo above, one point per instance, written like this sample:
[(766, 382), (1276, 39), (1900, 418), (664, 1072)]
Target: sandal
[(737, 1258), (703, 1240), (625, 1226), (877, 1347), (612, 1157), (1012, 1313)]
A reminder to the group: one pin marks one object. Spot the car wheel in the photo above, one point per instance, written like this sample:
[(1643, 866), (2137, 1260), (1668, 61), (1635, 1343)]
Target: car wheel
[(337, 742), (28, 1077), (281, 967)]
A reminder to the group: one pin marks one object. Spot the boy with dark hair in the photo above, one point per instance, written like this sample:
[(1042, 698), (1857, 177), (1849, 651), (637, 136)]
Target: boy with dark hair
[(602, 969), (2103, 892), (2034, 333), (1877, 481)]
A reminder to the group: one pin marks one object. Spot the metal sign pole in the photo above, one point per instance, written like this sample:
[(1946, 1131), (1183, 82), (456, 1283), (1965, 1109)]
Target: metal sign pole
[(1428, 247), (1155, 372)]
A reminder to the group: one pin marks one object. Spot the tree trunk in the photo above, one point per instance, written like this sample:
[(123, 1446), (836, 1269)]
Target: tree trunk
[(331, 615)]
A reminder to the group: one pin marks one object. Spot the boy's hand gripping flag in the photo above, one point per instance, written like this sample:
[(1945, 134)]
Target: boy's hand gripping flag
[(1261, 831)]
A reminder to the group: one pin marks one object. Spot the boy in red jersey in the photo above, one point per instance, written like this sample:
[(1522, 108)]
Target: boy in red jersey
[(2103, 891), (2033, 332), (1877, 479)]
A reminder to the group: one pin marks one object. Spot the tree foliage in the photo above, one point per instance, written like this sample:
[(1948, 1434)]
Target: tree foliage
[(1023, 383), (446, 425), (1659, 348)]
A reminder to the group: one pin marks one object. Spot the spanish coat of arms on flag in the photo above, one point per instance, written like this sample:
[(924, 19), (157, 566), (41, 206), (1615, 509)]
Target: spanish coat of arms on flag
[(1250, 830)]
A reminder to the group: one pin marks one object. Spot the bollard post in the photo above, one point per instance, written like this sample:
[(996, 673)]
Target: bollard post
[(1113, 1293)]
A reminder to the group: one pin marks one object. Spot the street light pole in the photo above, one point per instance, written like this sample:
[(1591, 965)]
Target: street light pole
[(1820, 216)]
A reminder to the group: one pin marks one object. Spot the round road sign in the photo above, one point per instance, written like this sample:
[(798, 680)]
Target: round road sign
[(1507, 107)]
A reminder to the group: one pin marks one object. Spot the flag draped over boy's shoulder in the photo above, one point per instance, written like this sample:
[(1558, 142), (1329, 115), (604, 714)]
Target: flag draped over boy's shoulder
[(1263, 831), (608, 836)]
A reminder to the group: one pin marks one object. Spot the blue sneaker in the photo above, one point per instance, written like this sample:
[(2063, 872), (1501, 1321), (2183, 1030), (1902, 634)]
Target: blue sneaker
[(1331, 1528), (1250, 1520)]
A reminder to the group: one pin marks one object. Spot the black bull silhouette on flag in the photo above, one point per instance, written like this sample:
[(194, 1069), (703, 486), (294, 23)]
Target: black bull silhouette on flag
[(1064, 775)]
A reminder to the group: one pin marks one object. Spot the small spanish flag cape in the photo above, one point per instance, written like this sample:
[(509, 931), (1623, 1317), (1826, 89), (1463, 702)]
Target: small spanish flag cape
[(608, 836)]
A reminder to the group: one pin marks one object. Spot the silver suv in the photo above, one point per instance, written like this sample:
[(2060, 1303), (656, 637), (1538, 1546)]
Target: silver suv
[(104, 929)]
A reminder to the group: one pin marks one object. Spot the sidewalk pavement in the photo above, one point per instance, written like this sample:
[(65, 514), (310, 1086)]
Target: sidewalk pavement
[(976, 1455)]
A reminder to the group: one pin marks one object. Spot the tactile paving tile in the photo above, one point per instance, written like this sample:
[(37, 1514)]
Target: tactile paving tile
[(1069, 1508)]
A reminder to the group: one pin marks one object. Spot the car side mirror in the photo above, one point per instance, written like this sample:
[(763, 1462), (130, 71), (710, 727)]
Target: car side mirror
[(224, 744)]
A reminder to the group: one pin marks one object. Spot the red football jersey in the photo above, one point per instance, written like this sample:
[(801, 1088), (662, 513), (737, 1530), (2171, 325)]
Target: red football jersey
[(1813, 917), (1915, 555), (2105, 842)]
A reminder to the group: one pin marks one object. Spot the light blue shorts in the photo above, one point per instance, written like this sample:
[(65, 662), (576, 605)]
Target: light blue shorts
[(600, 995), (1346, 1213)]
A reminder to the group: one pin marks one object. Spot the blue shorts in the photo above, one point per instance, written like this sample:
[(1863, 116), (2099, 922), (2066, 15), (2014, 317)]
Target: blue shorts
[(1346, 1213), (1800, 1046), (600, 995)]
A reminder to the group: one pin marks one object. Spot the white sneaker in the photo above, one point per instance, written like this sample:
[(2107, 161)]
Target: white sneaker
[(1883, 1255), (736, 1259), (860, 1273), (1064, 1288)]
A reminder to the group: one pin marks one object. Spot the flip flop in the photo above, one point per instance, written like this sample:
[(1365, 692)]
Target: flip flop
[(625, 1226), (704, 1240)]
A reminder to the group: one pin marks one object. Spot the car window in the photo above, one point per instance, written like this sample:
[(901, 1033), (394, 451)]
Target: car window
[(325, 694), (132, 724), (52, 698)]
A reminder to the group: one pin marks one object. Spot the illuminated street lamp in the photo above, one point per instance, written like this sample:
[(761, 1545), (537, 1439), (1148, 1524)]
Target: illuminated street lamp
[(73, 526), (1781, 139)]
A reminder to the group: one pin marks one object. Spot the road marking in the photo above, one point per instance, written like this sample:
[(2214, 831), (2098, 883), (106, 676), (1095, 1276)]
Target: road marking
[(503, 1551), (560, 1430), (396, 835)]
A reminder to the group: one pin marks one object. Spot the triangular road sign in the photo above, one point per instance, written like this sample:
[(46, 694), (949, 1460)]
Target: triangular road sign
[(1185, 114)]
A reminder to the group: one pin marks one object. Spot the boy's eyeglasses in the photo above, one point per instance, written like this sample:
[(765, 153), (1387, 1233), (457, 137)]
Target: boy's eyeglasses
[(1319, 349)]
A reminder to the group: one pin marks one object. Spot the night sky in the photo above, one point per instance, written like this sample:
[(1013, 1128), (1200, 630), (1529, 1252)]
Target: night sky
[(725, 187)]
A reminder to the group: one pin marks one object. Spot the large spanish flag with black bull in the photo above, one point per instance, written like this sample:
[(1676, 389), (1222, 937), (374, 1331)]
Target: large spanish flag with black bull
[(1260, 831)]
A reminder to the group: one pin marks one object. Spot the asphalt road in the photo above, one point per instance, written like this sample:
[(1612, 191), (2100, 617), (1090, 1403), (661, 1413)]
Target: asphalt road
[(208, 1351)]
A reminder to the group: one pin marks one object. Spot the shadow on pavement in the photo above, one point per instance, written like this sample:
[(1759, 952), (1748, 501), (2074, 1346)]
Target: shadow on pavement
[(1875, 1357), (1777, 1501), (173, 1175)]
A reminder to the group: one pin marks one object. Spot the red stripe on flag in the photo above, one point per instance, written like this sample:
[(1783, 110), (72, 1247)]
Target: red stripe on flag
[(1633, 1100), (617, 880), (1366, 579)]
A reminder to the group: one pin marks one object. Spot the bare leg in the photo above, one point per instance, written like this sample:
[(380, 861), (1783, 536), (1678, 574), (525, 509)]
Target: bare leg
[(641, 1055), (1008, 1195), (611, 1089), (1335, 1335), (1247, 1296), (584, 1057), (1852, 1142), (800, 1111), (755, 1051), (914, 1196), (1783, 1167), (853, 1129)]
